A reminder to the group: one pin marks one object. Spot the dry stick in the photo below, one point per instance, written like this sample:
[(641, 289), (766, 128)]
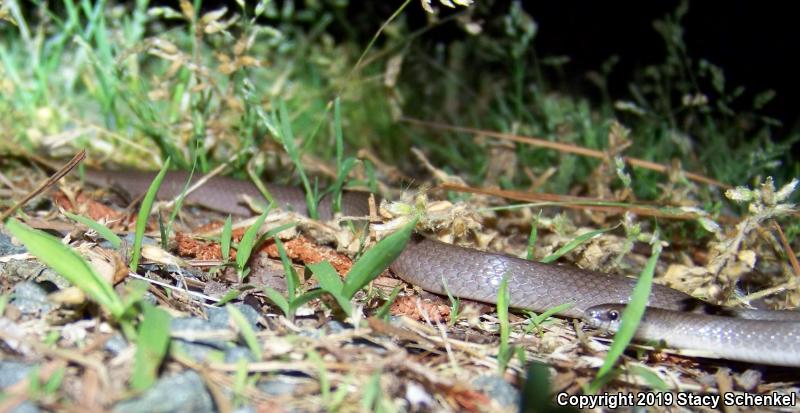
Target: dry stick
[(792, 283), (787, 248), (562, 147), (80, 156), (769, 291), (572, 202)]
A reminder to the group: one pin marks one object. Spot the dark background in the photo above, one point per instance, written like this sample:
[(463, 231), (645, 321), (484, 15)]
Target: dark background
[(754, 42)]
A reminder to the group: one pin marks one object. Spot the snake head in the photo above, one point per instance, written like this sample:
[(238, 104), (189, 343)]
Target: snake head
[(605, 316)]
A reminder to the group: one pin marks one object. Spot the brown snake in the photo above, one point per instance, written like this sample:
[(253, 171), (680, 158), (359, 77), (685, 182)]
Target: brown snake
[(672, 316)]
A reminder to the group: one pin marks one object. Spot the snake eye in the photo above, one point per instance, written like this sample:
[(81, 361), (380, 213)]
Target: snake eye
[(613, 315)]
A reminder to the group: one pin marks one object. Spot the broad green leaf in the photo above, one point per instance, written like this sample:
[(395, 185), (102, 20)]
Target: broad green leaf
[(330, 282), (376, 260), (65, 261)]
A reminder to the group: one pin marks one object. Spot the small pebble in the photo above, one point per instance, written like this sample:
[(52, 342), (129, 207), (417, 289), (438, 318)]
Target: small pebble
[(418, 397), (115, 344), (181, 393), (12, 371), (275, 387), (218, 316), (234, 354), (31, 298), (7, 247), (498, 389), (748, 380)]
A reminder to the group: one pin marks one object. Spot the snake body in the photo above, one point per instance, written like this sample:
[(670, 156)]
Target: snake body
[(724, 337), (672, 316)]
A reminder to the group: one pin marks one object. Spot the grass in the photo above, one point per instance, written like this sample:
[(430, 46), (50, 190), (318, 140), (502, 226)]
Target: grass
[(246, 246), (152, 336), (144, 215), (364, 270), (281, 92), (246, 331), (101, 229), (68, 264), (505, 350), (151, 347), (631, 317)]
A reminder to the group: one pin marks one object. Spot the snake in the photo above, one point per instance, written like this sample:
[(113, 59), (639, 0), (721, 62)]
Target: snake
[(672, 318)]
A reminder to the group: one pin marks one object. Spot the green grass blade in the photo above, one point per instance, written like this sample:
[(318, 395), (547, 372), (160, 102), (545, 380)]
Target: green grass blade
[(304, 298), (275, 231), (649, 376), (225, 239), (371, 394), (167, 229), (247, 244), (151, 347), (4, 299), (101, 229), (287, 139), (65, 261), (504, 353), (341, 175), (551, 312), (343, 166), (455, 303), (631, 316), (135, 291), (536, 395), (264, 192), (279, 300), (330, 282), (144, 213), (383, 311), (580, 239), (328, 277), (232, 294), (338, 132), (163, 232), (322, 376), (54, 382), (534, 235), (246, 330), (240, 381), (291, 275), (377, 259)]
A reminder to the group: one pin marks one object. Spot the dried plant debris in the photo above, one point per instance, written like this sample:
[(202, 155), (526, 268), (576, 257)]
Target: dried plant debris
[(430, 353)]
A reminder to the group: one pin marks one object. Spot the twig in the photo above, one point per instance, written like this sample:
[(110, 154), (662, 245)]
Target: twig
[(563, 147), (573, 202), (80, 156), (788, 249)]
